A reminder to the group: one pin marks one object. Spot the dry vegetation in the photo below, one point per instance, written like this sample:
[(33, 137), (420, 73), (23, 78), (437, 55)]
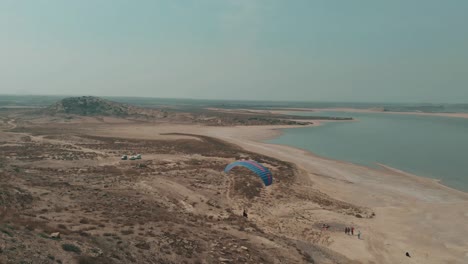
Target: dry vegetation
[(173, 206)]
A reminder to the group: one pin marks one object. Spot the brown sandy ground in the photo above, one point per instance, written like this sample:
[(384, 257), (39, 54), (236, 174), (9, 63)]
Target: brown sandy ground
[(173, 206), (413, 214)]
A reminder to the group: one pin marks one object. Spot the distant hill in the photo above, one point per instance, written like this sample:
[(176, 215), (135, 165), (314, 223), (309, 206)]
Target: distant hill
[(93, 106)]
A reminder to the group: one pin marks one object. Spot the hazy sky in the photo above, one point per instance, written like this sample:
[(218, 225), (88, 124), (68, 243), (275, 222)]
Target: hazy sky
[(362, 50)]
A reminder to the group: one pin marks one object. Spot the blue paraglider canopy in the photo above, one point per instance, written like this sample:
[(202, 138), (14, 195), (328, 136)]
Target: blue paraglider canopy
[(259, 169)]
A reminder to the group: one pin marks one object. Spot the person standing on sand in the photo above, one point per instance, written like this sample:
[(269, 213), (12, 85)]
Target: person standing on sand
[(359, 234), (346, 230), (352, 230)]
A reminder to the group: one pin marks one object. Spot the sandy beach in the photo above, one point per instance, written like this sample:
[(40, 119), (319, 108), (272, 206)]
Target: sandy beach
[(413, 214), (357, 110), (395, 212)]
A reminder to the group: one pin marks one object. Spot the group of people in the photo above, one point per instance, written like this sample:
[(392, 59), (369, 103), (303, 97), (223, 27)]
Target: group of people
[(350, 231)]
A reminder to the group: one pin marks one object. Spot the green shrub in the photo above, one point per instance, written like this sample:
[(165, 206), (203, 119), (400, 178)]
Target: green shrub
[(6, 232), (71, 248)]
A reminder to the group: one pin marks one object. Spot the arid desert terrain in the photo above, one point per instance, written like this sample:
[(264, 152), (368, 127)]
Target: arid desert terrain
[(64, 174)]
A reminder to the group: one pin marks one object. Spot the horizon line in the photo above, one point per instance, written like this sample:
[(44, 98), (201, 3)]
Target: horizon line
[(231, 100)]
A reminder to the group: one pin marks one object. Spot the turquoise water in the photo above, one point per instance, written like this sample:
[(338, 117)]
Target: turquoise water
[(429, 146)]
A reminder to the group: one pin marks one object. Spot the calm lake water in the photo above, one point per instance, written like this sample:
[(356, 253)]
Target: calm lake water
[(435, 147)]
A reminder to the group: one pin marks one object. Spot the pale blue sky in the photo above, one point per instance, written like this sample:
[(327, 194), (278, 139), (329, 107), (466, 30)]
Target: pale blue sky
[(367, 50)]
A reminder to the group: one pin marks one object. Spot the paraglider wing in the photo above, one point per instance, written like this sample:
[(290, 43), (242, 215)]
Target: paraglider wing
[(256, 167)]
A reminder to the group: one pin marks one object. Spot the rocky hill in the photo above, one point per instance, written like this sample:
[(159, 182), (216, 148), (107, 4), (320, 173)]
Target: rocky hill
[(91, 106), (95, 107)]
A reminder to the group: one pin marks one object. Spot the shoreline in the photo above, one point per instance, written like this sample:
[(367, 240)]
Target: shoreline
[(380, 166), (286, 111), (386, 167), (355, 110), (405, 207)]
